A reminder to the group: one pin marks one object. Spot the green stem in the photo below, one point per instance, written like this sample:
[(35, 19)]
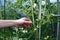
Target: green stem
[(33, 14), (45, 7), (33, 17)]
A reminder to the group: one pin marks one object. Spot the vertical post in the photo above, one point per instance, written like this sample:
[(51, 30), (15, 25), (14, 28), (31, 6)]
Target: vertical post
[(39, 17), (58, 26), (57, 31), (4, 9), (4, 18)]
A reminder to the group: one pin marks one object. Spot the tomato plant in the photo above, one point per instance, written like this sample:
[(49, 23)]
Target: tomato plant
[(44, 24)]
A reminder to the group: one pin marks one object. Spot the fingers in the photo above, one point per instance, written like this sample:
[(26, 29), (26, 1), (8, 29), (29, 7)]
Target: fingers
[(25, 22), (28, 22), (26, 25), (26, 19)]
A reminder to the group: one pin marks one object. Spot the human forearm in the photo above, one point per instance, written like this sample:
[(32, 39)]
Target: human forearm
[(7, 23), (25, 22)]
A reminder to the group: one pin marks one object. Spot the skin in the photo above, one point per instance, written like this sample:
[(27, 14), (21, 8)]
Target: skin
[(25, 22)]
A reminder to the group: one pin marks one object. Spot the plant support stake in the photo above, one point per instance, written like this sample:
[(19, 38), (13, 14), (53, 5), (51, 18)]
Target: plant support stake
[(58, 23), (39, 17)]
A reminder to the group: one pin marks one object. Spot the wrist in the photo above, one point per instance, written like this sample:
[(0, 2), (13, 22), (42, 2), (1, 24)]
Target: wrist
[(16, 22)]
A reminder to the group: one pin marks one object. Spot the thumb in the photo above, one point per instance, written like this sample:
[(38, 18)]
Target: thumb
[(28, 22)]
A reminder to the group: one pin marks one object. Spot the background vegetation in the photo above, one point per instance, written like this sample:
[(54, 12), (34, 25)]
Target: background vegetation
[(44, 23)]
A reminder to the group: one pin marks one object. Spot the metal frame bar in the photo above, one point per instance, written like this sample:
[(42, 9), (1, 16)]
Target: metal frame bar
[(58, 27)]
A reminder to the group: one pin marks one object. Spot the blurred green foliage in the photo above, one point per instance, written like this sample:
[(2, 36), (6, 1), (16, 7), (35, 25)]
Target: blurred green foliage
[(29, 9)]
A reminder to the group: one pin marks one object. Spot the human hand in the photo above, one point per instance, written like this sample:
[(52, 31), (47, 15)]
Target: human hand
[(25, 22)]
